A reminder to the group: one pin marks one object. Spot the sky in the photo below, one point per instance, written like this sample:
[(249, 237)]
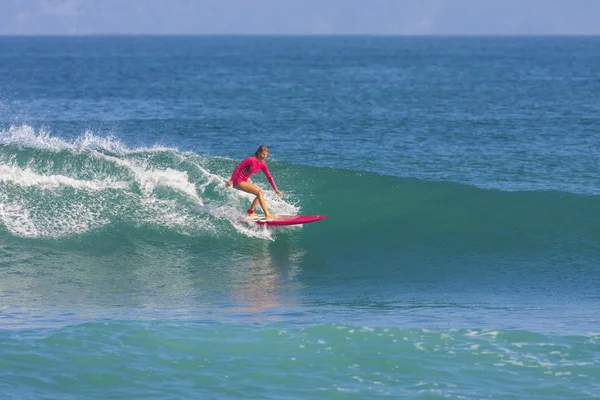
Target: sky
[(300, 17)]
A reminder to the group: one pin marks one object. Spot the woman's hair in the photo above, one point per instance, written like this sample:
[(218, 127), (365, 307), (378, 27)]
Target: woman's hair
[(260, 149)]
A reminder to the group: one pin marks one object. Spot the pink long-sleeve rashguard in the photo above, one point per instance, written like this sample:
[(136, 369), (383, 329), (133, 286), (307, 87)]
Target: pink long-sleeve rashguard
[(249, 167)]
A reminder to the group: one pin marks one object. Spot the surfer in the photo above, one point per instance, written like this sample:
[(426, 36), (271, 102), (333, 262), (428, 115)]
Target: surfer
[(241, 176)]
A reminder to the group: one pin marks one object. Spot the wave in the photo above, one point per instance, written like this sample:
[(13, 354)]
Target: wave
[(51, 187), (390, 212)]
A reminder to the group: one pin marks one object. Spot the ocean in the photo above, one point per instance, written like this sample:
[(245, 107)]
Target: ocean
[(460, 257)]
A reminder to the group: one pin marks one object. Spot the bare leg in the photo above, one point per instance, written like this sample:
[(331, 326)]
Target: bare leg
[(255, 190), (254, 204)]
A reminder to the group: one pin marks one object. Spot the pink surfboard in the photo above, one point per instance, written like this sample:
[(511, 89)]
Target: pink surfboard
[(290, 220)]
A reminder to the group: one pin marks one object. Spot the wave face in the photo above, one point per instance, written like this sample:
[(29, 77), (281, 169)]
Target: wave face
[(55, 188)]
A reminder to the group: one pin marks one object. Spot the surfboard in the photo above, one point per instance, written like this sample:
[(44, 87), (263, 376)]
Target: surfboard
[(290, 220)]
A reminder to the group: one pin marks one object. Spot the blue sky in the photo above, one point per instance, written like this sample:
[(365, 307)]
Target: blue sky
[(404, 17)]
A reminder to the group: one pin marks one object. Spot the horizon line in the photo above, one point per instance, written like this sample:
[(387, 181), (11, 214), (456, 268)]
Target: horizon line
[(408, 35)]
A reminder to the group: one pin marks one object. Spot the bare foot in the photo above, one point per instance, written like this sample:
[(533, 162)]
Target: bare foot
[(271, 216)]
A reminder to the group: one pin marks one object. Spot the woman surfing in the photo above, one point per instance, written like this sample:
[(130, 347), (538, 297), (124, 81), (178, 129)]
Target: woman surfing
[(241, 176)]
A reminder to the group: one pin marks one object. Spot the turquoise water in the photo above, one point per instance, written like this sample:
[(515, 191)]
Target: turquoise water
[(460, 257)]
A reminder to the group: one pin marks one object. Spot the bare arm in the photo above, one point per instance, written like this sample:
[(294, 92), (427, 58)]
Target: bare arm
[(270, 179)]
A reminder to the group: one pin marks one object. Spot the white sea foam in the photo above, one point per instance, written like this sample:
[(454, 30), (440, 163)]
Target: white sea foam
[(27, 136), (26, 221), (28, 178)]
